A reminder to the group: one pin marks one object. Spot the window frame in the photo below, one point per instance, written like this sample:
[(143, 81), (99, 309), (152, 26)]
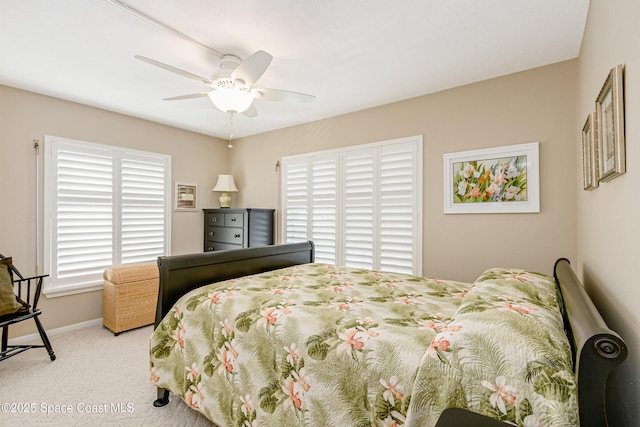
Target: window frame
[(119, 157), (340, 231)]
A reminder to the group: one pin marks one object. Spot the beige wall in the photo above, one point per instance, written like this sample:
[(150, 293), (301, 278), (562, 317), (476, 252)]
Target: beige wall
[(608, 216), (25, 116), (536, 105)]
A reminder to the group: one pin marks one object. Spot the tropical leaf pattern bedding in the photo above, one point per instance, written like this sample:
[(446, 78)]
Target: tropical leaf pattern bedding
[(320, 345)]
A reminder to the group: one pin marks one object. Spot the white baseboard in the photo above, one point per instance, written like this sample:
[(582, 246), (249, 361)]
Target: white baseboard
[(51, 332)]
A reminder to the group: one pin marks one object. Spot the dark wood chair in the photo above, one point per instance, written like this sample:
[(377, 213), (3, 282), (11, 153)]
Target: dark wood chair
[(27, 292)]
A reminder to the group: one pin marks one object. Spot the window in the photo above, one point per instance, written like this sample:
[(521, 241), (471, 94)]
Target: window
[(360, 205), (104, 206)]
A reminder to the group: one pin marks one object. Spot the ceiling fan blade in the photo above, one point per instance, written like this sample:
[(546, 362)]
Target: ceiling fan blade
[(190, 96), (283, 96), (174, 69), (252, 68), (251, 112)]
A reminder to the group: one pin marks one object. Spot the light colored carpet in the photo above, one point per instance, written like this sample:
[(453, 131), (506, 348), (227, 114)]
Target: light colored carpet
[(93, 370)]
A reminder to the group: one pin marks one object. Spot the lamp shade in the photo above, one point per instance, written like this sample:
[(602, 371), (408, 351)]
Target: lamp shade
[(231, 100), (225, 184)]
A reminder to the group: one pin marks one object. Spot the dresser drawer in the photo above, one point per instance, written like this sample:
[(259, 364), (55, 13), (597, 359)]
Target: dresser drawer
[(215, 219), (234, 220), (235, 228), (217, 246), (225, 235)]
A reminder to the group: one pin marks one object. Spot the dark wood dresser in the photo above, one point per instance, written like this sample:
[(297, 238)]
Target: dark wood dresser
[(237, 228)]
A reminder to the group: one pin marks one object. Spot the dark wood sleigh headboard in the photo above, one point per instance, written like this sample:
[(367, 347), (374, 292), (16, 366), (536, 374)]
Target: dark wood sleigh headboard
[(597, 349)]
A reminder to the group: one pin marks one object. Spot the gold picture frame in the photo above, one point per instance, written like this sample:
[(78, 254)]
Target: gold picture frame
[(610, 126), (590, 153)]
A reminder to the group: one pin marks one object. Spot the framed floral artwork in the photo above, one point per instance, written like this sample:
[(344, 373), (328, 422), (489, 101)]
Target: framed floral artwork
[(589, 153), (610, 122), (493, 180)]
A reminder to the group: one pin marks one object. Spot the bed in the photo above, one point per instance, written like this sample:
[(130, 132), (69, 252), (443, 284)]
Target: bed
[(265, 336)]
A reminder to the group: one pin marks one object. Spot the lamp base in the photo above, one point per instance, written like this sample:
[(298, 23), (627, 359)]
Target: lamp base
[(225, 200)]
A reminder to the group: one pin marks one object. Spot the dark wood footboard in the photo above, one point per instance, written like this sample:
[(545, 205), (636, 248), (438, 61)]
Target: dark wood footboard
[(181, 273)]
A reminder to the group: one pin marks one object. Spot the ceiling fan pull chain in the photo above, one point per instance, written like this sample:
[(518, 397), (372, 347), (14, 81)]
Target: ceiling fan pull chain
[(230, 145)]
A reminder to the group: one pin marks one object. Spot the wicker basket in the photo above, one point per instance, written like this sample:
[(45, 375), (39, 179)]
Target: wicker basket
[(130, 296)]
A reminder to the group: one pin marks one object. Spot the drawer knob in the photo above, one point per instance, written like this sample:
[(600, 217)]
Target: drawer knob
[(237, 235), (210, 248), (233, 219), (211, 233), (214, 219)]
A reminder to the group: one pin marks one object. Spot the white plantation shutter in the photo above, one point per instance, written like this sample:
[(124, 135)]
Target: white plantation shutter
[(310, 192), (399, 203), (296, 201), (323, 192), (104, 206), (83, 214), (143, 210), (360, 205)]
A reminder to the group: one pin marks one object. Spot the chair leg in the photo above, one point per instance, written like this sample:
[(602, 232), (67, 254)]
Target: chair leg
[(45, 339), (5, 337)]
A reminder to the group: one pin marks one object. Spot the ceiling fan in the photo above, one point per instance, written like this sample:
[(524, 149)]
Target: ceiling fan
[(233, 90)]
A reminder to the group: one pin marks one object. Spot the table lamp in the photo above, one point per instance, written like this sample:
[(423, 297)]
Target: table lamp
[(225, 185)]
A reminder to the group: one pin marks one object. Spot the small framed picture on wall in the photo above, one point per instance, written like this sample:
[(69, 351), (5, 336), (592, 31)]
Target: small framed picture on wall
[(186, 197), (589, 153), (610, 126)]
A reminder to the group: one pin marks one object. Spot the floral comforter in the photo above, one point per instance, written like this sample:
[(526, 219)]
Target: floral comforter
[(319, 345)]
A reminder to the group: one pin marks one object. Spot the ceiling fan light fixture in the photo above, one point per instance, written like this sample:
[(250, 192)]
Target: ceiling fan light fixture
[(231, 100)]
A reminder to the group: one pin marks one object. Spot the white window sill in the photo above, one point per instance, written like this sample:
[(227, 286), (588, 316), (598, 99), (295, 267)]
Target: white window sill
[(61, 291)]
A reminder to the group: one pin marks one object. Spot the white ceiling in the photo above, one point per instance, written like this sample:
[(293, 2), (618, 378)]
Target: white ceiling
[(350, 54)]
